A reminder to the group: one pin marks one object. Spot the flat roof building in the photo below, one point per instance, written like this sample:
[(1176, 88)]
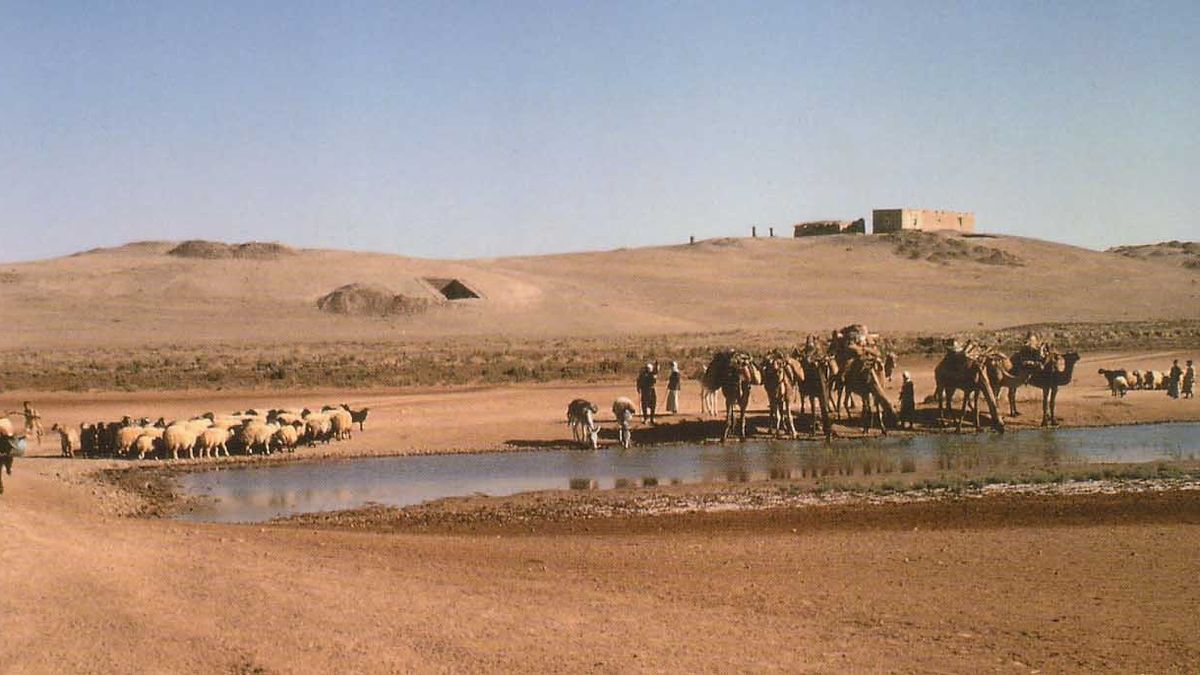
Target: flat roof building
[(895, 220)]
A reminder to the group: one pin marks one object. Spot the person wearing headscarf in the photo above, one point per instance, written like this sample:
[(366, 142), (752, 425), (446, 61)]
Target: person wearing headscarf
[(673, 387), (648, 398), (908, 402)]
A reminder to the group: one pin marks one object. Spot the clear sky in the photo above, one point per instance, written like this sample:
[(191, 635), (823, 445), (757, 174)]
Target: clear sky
[(447, 129)]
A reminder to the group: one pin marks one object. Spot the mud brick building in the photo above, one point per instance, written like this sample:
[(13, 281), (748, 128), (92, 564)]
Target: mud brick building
[(894, 220)]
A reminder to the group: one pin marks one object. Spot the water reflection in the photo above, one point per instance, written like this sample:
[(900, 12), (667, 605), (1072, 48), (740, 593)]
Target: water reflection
[(262, 493)]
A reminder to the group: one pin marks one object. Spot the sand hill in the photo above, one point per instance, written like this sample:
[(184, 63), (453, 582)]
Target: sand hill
[(172, 293), (1185, 253)]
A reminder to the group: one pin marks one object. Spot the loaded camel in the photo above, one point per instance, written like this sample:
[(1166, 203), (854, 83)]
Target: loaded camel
[(733, 373), (965, 370), (819, 369), (781, 376), (860, 370)]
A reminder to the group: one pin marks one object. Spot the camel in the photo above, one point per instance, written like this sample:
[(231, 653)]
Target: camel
[(732, 372), (1056, 373), (860, 366), (861, 377), (966, 372), (819, 369), (781, 376)]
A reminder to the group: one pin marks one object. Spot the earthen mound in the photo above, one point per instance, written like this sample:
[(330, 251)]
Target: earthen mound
[(371, 300), (216, 250), (937, 248), (1185, 253)]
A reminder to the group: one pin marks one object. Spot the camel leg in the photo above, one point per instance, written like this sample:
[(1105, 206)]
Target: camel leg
[(963, 412), (1053, 399), (742, 415), (1046, 406), (787, 414), (1012, 401), (728, 419)]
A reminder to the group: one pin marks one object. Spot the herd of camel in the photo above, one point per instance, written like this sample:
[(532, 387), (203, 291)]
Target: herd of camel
[(828, 374), (852, 364)]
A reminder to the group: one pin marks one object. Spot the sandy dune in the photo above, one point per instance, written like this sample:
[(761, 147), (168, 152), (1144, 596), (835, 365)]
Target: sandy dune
[(137, 294)]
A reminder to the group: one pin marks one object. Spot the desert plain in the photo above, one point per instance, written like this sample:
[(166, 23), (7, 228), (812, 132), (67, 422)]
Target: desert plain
[(95, 576)]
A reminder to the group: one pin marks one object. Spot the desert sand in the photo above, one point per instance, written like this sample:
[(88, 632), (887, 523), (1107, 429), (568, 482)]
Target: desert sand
[(1008, 584)]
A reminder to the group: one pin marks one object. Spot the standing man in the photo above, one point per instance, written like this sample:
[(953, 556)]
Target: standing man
[(673, 387), (645, 386), (1189, 380), (1173, 379), (908, 402)]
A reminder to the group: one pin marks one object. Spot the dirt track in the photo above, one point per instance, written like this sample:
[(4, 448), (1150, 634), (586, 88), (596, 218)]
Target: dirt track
[(1083, 584)]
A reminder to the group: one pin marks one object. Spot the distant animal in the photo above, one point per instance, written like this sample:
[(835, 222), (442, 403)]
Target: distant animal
[(359, 417), (581, 417), (624, 410), (68, 438), (1119, 386), (889, 365), (1154, 379), (341, 425), (1112, 376), (1135, 379)]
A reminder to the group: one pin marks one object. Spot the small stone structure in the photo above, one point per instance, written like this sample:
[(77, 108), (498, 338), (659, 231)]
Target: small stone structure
[(928, 220), (815, 228)]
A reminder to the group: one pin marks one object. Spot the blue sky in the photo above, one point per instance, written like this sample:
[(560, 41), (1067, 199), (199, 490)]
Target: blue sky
[(478, 129)]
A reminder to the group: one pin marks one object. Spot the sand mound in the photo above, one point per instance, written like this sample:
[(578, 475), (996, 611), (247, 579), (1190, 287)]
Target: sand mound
[(371, 300), (1185, 253), (215, 250), (943, 249)]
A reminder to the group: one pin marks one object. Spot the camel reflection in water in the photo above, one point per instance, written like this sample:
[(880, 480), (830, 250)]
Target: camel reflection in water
[(261, 493)]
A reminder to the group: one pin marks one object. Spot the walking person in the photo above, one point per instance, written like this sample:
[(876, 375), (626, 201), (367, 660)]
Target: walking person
[(674, 385), (33, 420), (648, 397), (1189, 380), (908, 402), (1173, 379)]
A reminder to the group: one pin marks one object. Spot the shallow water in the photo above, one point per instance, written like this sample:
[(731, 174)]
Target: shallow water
[(261, 493)]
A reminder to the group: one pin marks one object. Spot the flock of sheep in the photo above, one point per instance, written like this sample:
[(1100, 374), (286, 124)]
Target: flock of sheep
[(1121, 380), (210, 434)]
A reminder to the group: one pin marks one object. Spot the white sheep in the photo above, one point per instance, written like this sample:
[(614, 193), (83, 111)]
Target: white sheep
[(1119, 385), (316, 428), (125, 438), (341, 425), (213, 439), (143, 445), (179, 436), (287, 437), (257, 435), (6, 427), (69, 439)]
